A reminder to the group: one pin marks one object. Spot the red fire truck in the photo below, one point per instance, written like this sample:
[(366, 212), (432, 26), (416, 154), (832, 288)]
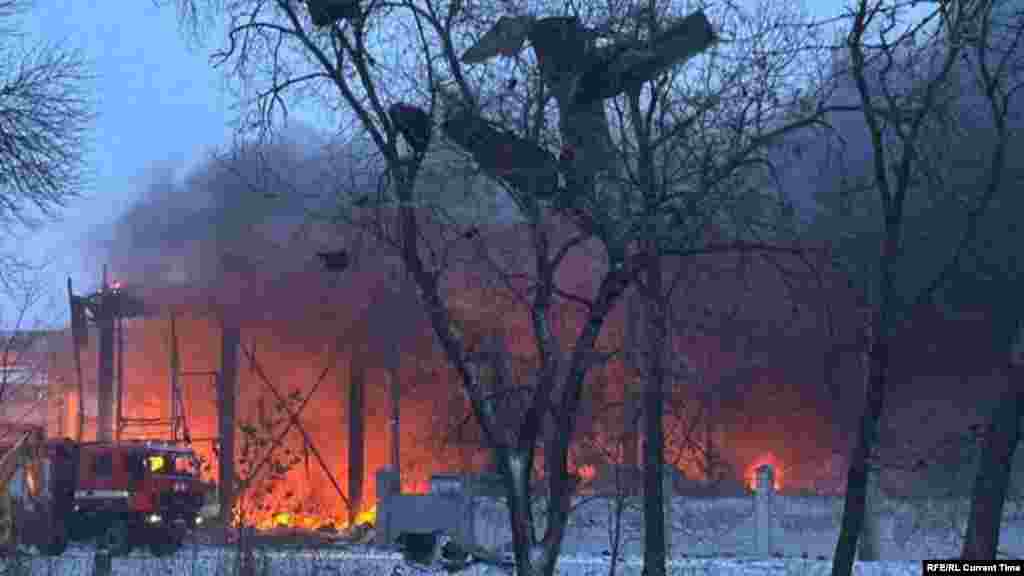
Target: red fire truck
[(118, 495)]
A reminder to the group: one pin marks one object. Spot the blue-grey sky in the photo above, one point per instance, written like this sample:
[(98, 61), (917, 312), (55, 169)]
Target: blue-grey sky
[(158, 101)]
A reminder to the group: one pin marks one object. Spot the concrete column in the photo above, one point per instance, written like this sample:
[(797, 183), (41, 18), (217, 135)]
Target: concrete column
[(356, 431), (388, 485), (764, 499)]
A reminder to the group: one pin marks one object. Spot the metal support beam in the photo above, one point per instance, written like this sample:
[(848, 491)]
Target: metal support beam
[(293, 418), (119, 327), (105, 372)]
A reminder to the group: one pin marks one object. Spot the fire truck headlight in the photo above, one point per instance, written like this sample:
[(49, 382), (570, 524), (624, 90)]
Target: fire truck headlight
[(199, 520), (153, 519)]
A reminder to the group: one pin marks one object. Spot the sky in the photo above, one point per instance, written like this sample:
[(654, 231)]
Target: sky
[(159, 102)]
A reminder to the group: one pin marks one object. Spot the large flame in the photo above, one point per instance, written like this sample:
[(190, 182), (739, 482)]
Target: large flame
[(296, 319), (285, 352)]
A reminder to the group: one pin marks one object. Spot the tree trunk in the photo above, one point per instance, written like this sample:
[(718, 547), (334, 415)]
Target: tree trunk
[(857, 477), (654, 450), (516, 467), (616, 518), (869, 538), (1002, 434), (855, 501), (632, 407)]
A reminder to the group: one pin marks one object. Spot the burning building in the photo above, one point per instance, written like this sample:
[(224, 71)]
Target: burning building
[(322, 355)]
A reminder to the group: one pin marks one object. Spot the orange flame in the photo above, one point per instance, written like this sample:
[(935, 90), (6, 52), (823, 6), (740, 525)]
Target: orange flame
[(312, 521), (765, 458)]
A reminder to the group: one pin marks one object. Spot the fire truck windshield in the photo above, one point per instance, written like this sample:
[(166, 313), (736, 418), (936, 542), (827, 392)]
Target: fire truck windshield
[(170, 463)]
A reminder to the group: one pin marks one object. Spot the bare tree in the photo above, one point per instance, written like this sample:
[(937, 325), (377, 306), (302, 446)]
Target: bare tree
[(690, 140), (570, 209), (991, 267), (906, 89), (45, 111), (992, 481), (613, 481), (25, 350)]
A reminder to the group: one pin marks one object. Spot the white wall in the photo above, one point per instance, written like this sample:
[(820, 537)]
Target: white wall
[(802, 526)]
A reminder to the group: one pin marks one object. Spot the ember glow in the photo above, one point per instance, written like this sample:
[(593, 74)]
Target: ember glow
[(769, 459), (314, 522)]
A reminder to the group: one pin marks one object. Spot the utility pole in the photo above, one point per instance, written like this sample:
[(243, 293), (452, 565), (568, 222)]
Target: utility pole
[(175, 367)]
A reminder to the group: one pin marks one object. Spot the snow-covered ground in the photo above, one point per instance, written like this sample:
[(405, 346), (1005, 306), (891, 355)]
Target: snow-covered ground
[(709, 537), (204, 561), (802, 526)]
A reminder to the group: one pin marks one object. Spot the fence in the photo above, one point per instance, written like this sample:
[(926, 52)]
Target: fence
[(764, 524), (770, 524)]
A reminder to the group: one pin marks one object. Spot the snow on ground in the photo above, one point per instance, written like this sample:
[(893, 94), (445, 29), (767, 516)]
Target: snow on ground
[(204, 561)]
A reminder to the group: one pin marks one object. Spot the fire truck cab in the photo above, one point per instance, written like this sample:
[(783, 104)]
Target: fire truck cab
[(118, 495), (129, 494)]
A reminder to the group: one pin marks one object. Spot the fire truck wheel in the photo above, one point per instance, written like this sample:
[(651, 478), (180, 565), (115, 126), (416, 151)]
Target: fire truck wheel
[(115, 539)]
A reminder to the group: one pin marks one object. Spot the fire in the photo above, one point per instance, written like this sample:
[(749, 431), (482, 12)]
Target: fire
[(284, 355), (313, 521), (367, 516), (587, 472), (293, 520), (769, 459), (282, 519)]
